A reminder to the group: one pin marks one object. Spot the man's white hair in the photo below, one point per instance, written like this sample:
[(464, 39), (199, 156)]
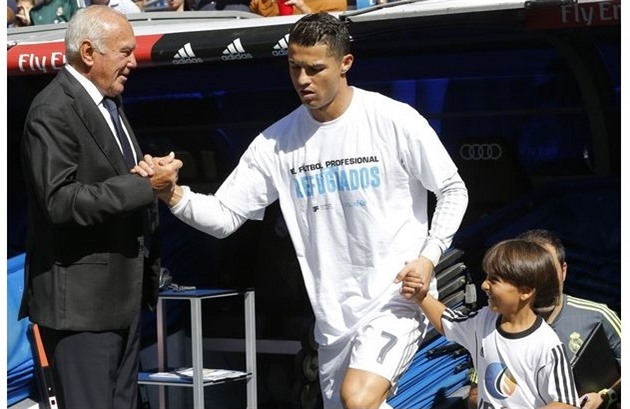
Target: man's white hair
[(88, 24)]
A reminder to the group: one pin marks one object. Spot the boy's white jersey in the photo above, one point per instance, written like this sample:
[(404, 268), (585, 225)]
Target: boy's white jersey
[(515, 370), (351, 192)]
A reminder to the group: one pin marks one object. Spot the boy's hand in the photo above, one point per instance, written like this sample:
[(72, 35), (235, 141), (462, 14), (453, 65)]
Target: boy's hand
[(411, 287), (415, 278)]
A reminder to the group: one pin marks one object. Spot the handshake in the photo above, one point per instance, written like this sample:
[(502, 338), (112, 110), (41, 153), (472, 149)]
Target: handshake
[(162, 172)]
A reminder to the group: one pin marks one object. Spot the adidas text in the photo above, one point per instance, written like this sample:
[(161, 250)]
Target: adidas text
[(279, 53), (240, 56), (187, 61)]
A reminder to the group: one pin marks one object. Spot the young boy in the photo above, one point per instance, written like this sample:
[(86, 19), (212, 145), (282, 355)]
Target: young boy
[(572, 318), (520, 360)]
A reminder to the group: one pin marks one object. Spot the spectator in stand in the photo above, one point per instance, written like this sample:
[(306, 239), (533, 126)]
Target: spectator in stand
[(124, 6), (53, 11), (23, 16), (192, 5), (572, 319), (11, 12), (236, 5), (177, 5), (269, 8)]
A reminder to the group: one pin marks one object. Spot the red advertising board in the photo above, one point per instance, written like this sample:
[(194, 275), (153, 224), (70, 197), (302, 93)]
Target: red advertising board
[(575, 15), (48, 57)]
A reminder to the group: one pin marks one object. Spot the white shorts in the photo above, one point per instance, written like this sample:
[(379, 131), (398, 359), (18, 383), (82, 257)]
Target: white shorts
[(385, 345)]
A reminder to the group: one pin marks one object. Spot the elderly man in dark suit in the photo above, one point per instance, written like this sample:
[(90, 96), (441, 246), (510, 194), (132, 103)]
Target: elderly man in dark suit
[(92, 257)]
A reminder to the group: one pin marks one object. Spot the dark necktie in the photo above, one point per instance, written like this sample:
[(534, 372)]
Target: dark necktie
[(127, 152)]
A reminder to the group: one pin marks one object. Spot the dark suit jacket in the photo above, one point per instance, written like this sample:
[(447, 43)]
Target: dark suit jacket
[(90, 219)]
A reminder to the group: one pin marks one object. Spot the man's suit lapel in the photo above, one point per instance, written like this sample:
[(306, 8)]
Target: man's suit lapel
[(96, 125)]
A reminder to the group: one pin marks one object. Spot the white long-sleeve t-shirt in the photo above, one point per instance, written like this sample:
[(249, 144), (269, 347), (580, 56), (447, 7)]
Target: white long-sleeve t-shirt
[(353, 193)]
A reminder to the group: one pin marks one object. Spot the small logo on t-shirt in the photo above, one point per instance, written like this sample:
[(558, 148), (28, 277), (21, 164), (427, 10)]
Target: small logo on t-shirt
[(355, 203), (322, 207)]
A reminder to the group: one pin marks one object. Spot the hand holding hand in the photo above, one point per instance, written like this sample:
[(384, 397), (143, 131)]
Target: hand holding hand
[(162, 172), (415, 278), (146, 167)]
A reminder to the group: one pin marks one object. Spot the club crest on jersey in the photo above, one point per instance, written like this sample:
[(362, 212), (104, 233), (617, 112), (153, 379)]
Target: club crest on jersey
[(575, 342)]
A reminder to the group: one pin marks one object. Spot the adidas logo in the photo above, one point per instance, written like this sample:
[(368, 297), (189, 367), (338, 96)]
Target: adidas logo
[(186, 55), (280, 49), (235, 51)]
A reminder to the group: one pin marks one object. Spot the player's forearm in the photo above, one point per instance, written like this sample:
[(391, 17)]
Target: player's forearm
[(452, 201), (206, 213)]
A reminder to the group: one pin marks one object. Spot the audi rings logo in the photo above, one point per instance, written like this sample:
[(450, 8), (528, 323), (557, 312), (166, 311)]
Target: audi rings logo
[(480, 151)]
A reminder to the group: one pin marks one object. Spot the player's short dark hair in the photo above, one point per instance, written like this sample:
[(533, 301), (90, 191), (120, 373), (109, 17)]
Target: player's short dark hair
[(321, 28)]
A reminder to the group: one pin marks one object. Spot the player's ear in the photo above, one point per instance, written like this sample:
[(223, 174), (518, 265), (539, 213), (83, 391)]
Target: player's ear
[(346, 63)]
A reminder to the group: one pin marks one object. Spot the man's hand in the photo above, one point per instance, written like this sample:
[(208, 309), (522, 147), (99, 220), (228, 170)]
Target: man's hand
[(162, 173), (415, 278), (146, 167)]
